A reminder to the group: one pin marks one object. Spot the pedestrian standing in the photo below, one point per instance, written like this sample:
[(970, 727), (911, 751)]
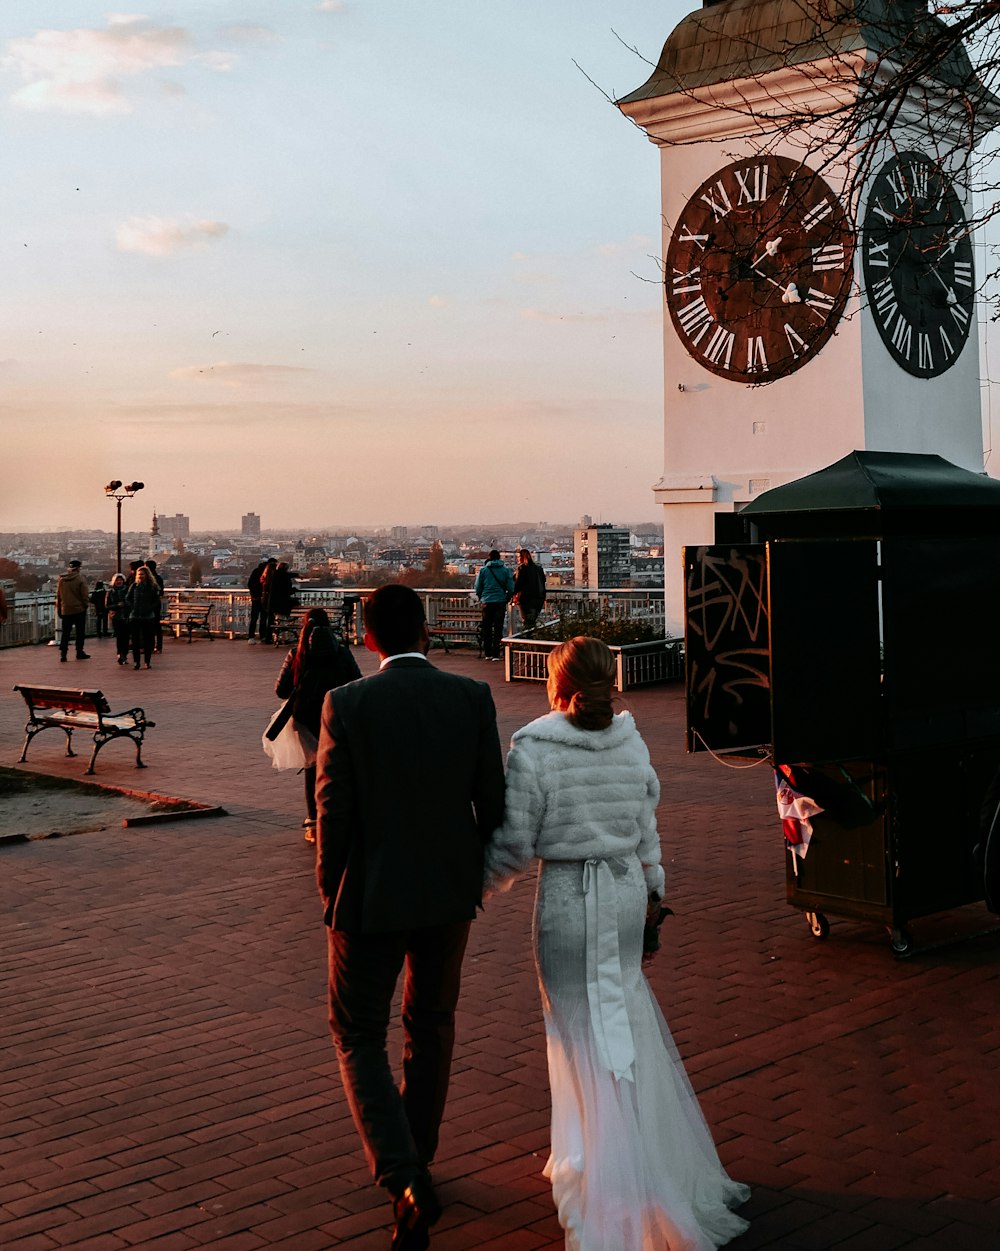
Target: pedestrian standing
[(529, 588), (158, 628), (494, 589), (143, 602), (118, 612), (253, 586), (72, 602), (266, 611), (99, 598)]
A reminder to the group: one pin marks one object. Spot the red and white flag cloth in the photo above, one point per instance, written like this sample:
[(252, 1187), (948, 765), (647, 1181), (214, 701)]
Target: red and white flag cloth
[(795, 811)]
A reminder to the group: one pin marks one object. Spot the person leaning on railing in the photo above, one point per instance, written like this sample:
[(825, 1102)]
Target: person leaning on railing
[(494, 589)]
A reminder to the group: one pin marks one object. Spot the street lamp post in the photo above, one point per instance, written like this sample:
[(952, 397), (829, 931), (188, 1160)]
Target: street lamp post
[(116, 491)]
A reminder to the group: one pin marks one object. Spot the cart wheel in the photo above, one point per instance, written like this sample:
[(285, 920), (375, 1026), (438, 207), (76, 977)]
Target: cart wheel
[(900, 940), (819, 926)]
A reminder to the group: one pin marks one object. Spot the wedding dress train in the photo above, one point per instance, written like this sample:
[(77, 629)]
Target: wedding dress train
[(632, 1166)]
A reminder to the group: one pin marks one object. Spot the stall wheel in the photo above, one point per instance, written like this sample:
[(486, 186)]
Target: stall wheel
[(819, 926), (901, 941)]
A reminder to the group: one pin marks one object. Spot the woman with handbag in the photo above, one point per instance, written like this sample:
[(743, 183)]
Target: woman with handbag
[(318, 663)]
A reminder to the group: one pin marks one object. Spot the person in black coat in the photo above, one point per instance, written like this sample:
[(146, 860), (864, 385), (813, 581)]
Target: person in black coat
[(118, 610), (143, 603), (99, 598), (318, 663), (253, 586), (266, 611), (158, 627), (529, 588), (409, 789)]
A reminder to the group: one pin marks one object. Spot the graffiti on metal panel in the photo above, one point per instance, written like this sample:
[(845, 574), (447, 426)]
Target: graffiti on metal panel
[(727, 628)]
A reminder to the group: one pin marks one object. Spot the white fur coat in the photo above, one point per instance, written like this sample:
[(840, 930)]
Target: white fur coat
[(576, 794)]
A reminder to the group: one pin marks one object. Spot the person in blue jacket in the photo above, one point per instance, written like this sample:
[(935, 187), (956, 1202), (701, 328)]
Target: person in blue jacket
[(494, 589)]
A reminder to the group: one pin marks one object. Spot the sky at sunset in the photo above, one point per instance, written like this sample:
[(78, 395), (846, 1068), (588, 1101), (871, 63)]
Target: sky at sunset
[(334, 261)]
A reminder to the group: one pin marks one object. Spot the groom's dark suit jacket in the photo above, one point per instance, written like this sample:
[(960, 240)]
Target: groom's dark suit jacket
[(409, 787)]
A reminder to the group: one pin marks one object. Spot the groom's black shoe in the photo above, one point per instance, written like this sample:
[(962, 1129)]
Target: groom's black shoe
[(416, 1210)]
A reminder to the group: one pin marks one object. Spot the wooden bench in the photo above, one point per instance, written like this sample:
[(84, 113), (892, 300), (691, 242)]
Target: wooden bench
[(58, 708), (458, 625), (189, 617)]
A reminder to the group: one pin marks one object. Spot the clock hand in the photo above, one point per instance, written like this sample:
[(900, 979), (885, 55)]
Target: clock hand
[(770, 249), (951, 297), (789, 290)]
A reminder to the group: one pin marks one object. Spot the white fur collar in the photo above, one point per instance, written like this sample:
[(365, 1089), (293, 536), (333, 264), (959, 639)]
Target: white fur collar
[(555, 727)]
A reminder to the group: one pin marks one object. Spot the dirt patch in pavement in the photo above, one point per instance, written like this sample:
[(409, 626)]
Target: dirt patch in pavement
[(34, 805)]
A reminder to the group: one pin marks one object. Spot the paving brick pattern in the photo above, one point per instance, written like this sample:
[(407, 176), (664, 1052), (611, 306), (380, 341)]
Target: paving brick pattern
[(166, 1079)]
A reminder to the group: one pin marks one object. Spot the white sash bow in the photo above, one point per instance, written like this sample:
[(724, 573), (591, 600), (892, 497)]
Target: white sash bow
[(605, 984)]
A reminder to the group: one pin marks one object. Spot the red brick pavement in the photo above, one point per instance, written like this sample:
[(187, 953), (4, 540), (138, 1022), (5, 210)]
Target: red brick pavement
[(166, 1080)]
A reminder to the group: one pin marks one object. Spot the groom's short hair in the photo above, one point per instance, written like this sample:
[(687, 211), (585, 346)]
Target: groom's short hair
[(394, 615)]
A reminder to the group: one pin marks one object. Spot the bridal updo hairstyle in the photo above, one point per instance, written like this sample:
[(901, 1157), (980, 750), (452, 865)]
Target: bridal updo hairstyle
[(581, 674)]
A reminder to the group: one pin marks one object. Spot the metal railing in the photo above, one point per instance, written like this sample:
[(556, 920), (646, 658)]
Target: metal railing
[(32, 617), (636, 664)]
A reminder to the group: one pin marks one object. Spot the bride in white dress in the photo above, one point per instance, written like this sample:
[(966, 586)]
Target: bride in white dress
[(633, 1166)]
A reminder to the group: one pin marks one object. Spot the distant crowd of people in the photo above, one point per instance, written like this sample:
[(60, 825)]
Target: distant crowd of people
[(131, 610)]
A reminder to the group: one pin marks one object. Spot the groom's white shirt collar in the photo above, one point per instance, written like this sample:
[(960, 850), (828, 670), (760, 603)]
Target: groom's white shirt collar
[(402, 656)]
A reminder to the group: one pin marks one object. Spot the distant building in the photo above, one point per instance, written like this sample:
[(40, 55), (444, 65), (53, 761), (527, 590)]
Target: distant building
[(647, 570), (306, 555), (399, 534), (176, 527), (250, 526), (601, 556)]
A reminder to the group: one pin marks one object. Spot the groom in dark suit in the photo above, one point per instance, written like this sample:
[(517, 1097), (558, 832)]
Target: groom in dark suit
[(409, 788)]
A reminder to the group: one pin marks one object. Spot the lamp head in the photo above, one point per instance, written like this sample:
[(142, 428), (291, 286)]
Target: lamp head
[(112, 487), (133, 487)]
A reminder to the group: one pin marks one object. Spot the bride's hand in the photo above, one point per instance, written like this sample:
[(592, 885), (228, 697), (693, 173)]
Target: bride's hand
[(656, 910)]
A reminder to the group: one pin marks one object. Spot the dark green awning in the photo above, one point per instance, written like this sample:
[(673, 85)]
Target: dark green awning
[(877, 493)]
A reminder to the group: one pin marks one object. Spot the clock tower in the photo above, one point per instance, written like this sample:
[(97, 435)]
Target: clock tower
[(819, 277)]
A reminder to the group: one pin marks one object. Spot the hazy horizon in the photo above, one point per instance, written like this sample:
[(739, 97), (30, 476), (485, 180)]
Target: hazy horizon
[(414, 527)]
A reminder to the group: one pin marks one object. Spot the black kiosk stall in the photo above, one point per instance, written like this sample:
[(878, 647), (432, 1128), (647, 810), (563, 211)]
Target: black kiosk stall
[(856, 643)]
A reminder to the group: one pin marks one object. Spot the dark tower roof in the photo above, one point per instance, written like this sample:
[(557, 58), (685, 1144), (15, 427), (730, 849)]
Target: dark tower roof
[(736, 39)]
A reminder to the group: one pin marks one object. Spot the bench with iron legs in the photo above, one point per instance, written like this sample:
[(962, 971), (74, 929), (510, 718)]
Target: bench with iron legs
[(189, 617), (69, 709), (286, 627), (457, 625)]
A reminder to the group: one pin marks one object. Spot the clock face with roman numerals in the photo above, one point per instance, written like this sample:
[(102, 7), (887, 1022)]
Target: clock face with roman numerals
[(759, 269), (917, 261)]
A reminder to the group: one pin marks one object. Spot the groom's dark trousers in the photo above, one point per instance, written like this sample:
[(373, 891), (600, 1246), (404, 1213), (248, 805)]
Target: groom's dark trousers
[(409, 787)]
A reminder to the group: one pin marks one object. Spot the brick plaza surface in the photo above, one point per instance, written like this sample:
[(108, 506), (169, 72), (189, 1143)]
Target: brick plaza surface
[(167, 1082)]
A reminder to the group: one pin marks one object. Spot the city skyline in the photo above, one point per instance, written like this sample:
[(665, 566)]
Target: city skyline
[(415, 533), (325, 260)]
